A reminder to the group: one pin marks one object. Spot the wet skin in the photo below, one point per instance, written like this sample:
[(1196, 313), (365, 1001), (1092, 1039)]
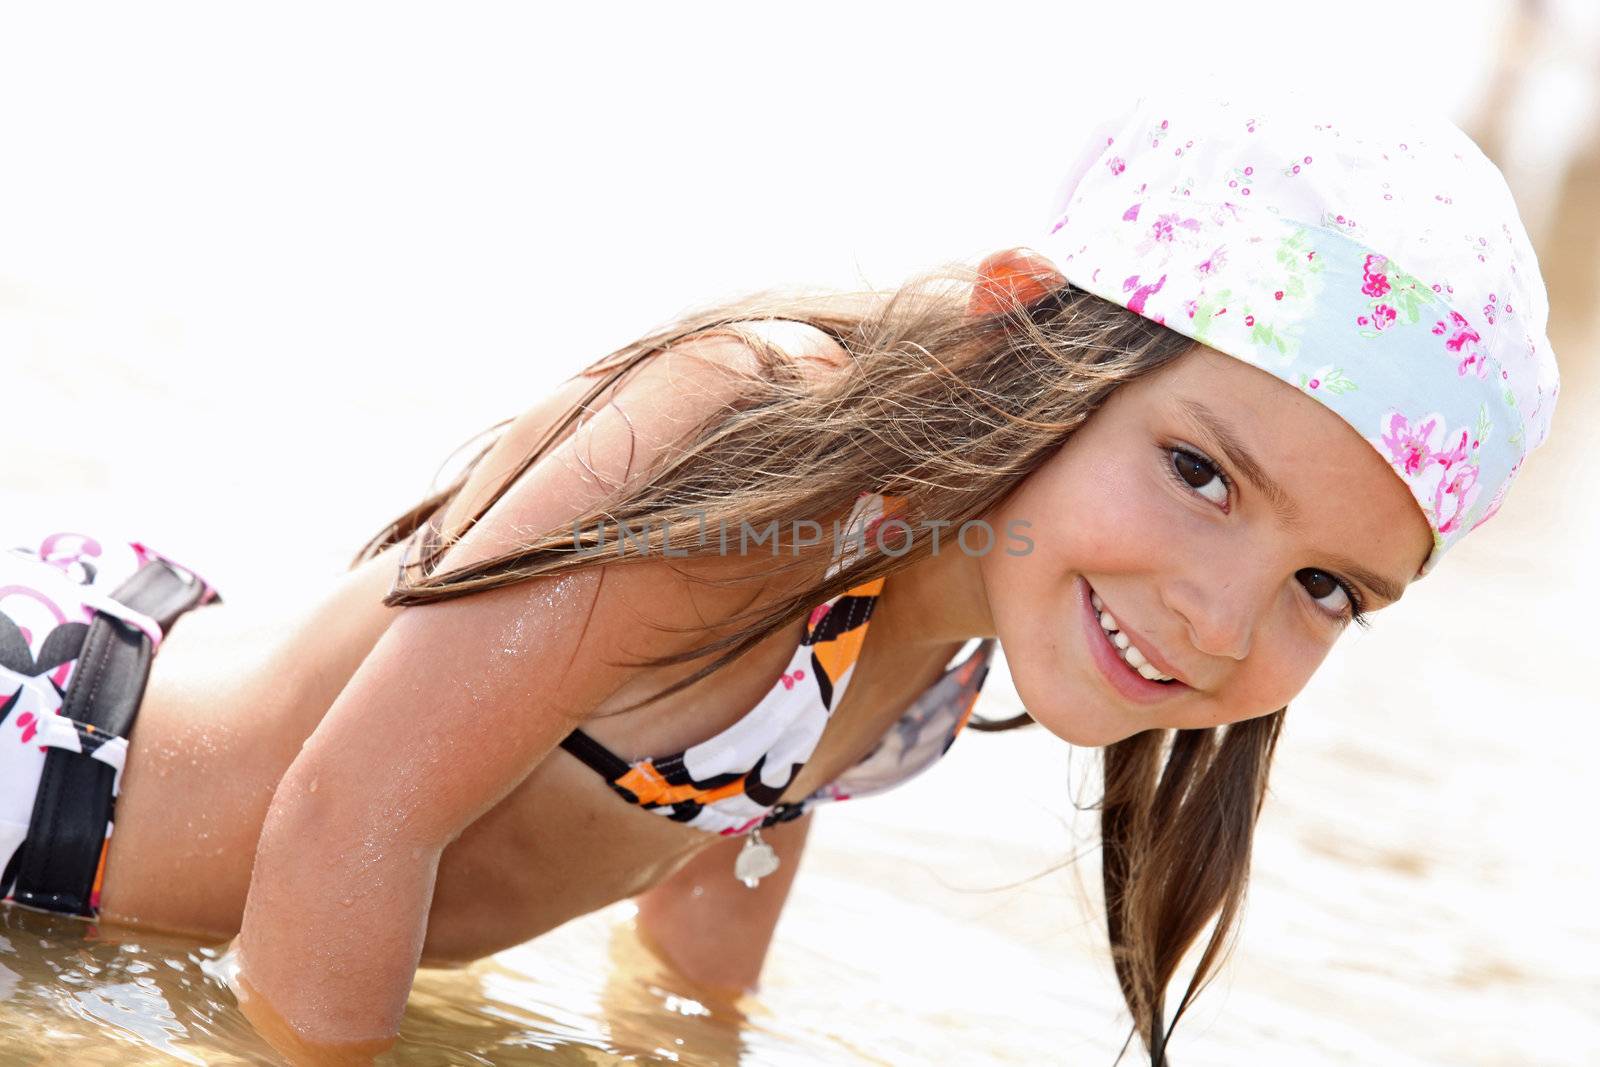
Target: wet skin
[(1206, 577), (238, 688)]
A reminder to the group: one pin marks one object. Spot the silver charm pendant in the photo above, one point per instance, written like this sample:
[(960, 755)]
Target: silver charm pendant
[(755, 861)]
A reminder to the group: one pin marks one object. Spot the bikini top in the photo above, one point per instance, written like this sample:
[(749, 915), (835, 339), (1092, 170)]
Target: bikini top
[(731, 783)]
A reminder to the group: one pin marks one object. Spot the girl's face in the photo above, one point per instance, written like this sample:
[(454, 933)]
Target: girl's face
[(1229, 558)]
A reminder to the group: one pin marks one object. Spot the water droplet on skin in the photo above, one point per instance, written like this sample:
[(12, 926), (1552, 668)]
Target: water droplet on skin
[(312, 788), (347, 901)]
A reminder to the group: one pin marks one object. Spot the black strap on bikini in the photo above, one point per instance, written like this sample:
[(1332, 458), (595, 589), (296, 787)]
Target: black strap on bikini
[(608, 763), (56, 864)]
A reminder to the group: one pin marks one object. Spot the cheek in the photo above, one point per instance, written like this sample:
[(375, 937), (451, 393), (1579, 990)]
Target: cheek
[(1099, 512), (1106, 514), (1276, 672)]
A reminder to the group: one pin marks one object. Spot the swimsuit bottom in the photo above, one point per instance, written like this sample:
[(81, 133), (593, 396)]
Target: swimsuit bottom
[(80, 621)]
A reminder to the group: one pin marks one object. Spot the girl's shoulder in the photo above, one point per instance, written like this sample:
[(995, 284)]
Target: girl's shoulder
[(692, 377), (799, 340), (754, 343)]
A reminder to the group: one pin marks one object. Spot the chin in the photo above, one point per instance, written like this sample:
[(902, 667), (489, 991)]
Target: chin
[(1088, 738), (1073, 728), (1062, 712)]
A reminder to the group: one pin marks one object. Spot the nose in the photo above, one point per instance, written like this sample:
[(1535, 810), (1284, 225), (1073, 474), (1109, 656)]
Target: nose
[(1220, 614)]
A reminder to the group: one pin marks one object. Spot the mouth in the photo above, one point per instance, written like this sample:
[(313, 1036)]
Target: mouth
[(1111, 656)]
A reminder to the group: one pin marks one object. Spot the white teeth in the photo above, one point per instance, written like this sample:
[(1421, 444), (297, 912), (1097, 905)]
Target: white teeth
[(1151, 673), (1130, 652)]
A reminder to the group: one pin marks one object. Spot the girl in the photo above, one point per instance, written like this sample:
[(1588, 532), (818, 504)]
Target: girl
[(727, 570)]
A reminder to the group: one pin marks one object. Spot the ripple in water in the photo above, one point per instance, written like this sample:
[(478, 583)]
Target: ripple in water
[(587, 994)]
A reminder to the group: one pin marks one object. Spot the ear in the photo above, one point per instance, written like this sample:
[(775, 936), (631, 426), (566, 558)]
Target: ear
[(1015, 276)]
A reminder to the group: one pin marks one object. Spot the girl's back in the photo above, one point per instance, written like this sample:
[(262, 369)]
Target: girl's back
[(235, 693)]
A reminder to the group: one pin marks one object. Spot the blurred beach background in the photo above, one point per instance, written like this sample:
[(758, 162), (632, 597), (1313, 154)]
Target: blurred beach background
[(262, 269)]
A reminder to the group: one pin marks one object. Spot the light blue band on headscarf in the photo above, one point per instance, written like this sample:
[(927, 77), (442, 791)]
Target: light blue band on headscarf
[(1377, 265)]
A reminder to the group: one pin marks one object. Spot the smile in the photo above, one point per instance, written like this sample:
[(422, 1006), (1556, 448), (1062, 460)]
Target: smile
[(1116, 655), (1127, 649)]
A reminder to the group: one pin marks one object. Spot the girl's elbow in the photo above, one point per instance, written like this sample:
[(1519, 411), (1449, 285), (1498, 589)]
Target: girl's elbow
[(342, 806)]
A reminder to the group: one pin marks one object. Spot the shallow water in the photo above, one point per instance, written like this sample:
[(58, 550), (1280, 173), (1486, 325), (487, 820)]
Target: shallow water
[(590, 993), (76, 994)]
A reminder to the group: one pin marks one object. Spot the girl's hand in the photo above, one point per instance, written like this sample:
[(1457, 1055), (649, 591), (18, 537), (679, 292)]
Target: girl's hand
[(709, 926), (298, 1050), (273, 1028), (456, 703)]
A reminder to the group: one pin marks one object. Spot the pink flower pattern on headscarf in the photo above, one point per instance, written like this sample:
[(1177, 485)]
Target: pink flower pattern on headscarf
[(1162, 229), (1461, 336), (1408, 443), (1453, 495), (1214, 262), (1343, 253), (1374, 281), (1141, 293), (1382, 317), (1498, 498), (1443, 478)]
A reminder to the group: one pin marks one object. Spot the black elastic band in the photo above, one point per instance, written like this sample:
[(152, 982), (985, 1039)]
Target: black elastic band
[(596, 755), (58, 860)]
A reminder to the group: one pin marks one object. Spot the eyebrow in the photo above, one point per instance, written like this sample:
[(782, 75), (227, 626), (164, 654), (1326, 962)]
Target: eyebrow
[(1208, 422)]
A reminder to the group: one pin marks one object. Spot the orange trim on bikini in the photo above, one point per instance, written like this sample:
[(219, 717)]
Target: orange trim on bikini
[(842, 650), (646, 783)]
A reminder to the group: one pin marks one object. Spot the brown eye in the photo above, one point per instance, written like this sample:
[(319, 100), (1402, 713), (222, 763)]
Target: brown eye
[(1322, 584), (1194, 472), (1201, 475)]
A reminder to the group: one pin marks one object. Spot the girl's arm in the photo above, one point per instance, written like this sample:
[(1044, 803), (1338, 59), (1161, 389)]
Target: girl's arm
[(708, 925), (451, 709)]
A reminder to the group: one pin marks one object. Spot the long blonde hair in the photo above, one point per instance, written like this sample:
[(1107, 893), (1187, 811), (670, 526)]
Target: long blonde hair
[(946, 411)]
